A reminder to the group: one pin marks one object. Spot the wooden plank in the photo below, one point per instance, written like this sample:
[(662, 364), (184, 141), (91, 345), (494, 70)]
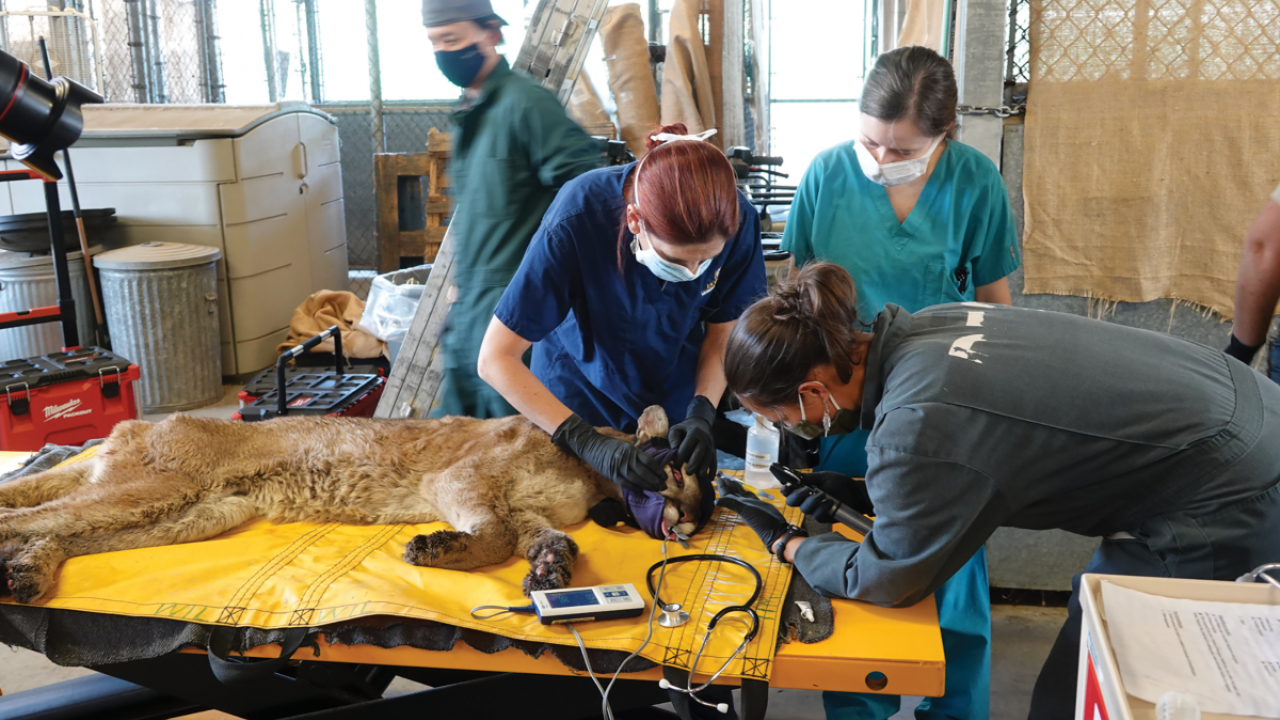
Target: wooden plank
[(560, 33), (417, 366), (394, 243), (414, 242), (553, 53), (439, 142), (388, 215), (731, 112), (714, 18)]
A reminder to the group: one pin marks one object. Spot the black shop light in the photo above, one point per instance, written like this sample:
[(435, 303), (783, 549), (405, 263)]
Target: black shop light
[(40, 117)]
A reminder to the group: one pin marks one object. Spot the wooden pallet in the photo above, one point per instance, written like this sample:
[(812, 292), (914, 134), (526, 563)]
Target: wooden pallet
[(559, 37), (429, 168)]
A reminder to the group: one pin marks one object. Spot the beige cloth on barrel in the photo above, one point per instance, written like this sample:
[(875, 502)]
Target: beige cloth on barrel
[(626, 53), (687, 94), (322, 311), (1149, 149)]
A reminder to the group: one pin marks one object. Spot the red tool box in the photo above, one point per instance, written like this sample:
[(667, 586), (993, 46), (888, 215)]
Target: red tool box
[(297, 392), (65, 398), (69, 397)]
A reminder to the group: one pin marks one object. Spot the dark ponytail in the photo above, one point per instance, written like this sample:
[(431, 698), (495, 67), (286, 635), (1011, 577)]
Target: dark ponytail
[(912, 83), (810, 320)]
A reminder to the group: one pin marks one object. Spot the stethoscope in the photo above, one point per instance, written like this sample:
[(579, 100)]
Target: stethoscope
[(674, 616)]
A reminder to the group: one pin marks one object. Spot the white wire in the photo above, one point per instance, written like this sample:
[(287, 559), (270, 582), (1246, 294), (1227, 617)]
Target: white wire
[(586, 661), (605, 711)]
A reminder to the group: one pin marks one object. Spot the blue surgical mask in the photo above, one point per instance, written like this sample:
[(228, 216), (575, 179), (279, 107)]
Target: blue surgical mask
[(664, 269), (461, 67)]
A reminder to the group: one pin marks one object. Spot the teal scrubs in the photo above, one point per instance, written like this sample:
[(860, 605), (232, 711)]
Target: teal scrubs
[(961, 234)]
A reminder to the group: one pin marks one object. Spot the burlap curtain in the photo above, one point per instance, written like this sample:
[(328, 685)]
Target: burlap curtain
[(1152, 140), (925, 24)]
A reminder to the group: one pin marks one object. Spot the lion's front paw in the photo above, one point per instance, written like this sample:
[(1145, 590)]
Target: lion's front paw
[(550, 563), (439, 549)]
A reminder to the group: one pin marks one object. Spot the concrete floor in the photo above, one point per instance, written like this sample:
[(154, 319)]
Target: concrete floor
[(1020, 637), (221, 410)]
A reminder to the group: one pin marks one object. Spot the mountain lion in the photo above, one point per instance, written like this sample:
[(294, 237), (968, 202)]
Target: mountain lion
[(501, 484)]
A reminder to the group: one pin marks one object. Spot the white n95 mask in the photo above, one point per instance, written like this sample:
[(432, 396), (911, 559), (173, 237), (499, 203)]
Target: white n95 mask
[(894, 173), (661, 267)]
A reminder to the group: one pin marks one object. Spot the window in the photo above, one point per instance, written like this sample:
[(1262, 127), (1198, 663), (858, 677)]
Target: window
[(244, 68), (816, 64)]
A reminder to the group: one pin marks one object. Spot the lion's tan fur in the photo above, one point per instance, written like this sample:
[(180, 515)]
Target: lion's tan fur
[(502, 485)]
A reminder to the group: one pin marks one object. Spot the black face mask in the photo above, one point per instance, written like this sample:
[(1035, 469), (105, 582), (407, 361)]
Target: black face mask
[(461, 67), (845, 421)]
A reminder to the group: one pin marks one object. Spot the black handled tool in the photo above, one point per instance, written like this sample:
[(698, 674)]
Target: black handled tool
[(844, 514)]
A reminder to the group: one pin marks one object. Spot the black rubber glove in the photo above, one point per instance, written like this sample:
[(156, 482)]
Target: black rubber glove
[(843, 488), (1240, 351), (760, 516), (617, 460), (695, 448)]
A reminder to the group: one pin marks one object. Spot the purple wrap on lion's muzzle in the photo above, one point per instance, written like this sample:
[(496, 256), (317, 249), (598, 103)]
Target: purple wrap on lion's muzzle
[(646, 506)]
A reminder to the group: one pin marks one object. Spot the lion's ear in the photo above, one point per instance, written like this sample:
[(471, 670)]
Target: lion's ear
[(653, 424)]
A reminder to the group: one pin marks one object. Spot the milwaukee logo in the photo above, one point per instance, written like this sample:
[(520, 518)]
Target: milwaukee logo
[(68, 409)]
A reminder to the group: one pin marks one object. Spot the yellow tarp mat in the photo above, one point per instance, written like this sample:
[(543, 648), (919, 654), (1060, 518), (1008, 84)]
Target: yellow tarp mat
[(274, 576)]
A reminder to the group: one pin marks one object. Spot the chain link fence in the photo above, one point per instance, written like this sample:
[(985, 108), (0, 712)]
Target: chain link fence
[(172, 51), (1018, 52)]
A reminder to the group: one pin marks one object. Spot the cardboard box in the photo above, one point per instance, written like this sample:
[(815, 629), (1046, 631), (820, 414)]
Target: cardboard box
[(1100, 691)]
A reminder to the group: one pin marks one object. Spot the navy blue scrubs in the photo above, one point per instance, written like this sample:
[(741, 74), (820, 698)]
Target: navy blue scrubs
[(610, 338)]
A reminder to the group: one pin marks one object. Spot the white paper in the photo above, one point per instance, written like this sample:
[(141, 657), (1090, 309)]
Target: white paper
[(1225, 655)]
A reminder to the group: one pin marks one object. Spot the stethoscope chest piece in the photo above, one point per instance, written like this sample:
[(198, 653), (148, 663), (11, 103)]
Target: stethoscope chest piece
[(673, 616)]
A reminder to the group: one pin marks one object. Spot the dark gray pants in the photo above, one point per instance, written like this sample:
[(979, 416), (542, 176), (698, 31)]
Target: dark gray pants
[(1221, 545)]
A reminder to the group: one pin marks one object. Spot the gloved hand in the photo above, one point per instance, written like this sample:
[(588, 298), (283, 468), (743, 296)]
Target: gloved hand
[(695, 448), (1240, 351), (617, 460), (841, 488), (759, 515)]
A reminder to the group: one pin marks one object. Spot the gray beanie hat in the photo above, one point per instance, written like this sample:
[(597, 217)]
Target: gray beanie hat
[(446, 12)]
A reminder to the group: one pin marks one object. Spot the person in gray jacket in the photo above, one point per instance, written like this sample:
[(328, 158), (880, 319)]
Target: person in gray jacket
[(983, 416)]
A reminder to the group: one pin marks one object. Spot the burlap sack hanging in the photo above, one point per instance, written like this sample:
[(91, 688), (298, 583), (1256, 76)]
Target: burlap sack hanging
[(687, 95), (925, 24), (1151, 143), (626, 52), (586, 109)]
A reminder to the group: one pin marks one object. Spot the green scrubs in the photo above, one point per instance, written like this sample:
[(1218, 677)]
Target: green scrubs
[(960, 234), (514, 147)]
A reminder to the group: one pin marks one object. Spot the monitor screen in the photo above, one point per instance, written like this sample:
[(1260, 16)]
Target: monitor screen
[(572, 598)]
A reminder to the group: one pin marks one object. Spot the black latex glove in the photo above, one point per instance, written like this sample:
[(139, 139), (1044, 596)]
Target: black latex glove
[(760, 516), (617, 460), (1240, 351), (695, 448), (732, 488), (843, 488)]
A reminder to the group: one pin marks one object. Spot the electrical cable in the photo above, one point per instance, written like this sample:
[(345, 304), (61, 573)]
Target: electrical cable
[(605, 710), (586, 660), (608, 712), (500, 610)]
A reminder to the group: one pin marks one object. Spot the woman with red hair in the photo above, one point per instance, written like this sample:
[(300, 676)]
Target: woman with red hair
[(627, 296)]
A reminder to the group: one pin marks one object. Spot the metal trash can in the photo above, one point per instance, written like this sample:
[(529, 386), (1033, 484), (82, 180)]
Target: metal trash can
[(162, 308), (26, 281)]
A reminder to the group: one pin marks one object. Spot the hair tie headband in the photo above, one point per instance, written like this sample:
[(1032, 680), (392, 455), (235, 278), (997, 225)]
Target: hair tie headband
[(668, 137)]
